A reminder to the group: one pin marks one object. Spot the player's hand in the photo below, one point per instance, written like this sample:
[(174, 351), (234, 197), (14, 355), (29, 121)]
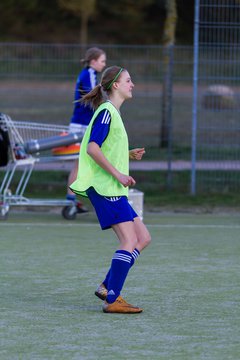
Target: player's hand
[(126, 180), (136, 154)]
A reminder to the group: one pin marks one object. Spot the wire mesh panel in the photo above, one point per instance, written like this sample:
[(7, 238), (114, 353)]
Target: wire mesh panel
[(218, 103), (37, 84)]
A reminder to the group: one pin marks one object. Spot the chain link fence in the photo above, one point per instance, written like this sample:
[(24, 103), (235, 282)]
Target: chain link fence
[(38, 80), (216, 120)]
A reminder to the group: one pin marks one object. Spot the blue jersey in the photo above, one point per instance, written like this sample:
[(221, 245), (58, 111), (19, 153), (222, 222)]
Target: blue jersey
[(86, 81), (100, 128)]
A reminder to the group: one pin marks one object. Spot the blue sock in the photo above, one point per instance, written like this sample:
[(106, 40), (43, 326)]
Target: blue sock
[(71, 197), (121, 263), (135, 255)]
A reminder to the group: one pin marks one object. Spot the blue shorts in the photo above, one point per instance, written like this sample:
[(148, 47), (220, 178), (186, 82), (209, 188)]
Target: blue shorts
[(111, 210)]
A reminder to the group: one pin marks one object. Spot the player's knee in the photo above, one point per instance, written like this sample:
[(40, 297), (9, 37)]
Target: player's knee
[(147, 239), (144, 240)]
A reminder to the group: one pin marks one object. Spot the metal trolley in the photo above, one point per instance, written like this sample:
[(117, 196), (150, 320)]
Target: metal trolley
[(19, 133)]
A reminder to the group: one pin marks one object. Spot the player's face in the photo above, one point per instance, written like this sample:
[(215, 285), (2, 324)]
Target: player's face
[(99, 64), (125, 85)]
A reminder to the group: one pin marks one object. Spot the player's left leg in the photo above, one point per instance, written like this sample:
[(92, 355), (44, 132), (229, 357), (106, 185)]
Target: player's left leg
[(143, 240)]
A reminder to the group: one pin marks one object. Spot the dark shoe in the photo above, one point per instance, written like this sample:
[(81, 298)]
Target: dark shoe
[(101, 292), (81, 208)]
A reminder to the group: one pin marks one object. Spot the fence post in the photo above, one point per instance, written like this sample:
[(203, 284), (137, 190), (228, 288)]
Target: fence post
[(195, 96)]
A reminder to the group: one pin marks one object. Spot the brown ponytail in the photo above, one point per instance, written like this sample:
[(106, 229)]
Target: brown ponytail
[(94, 98)]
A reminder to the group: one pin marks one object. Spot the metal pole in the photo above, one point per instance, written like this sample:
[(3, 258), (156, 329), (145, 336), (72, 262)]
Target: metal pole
[(169, 115), (195, 96)]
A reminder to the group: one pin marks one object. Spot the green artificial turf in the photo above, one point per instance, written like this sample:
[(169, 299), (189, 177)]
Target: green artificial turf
[(187, 281)]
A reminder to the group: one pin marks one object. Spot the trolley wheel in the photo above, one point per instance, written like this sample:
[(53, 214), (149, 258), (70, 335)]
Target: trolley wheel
[(69, 212)]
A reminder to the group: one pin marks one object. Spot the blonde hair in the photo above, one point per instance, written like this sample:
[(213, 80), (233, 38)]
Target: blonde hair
[(96, 96)]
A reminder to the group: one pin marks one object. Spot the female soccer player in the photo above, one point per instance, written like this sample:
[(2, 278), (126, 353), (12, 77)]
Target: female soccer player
[(104, 177), (94, 63)]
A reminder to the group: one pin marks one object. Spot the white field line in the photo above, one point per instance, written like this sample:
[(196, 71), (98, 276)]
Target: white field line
[(167, 226)]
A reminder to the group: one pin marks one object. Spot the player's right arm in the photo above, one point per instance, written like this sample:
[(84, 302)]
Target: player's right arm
[(96, 153)]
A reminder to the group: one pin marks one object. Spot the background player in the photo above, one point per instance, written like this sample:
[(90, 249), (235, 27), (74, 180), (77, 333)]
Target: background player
[(94, 62)]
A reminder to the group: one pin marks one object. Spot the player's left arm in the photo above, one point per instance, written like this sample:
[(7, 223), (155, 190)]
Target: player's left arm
[(136, 154)]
